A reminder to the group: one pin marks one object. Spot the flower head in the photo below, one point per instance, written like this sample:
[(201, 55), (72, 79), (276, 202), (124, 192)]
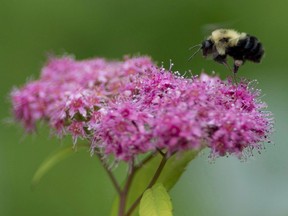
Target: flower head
[(133, 107)]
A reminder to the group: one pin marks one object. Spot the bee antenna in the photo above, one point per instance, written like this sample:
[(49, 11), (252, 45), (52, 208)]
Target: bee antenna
[(195, 46), (195, 52)]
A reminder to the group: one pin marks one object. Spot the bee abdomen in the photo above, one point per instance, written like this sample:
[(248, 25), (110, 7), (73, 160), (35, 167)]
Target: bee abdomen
[(256, 53), (248, 48)]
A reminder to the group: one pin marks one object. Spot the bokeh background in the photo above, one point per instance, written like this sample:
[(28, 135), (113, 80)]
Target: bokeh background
[(163, 29)]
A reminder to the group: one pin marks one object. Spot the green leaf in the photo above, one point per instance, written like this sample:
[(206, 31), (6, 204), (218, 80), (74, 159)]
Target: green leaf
[(171, 173), (156, 202), (52, 161), (175, 167)]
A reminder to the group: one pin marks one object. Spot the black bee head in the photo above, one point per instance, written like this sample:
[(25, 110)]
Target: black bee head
[(207, 47)]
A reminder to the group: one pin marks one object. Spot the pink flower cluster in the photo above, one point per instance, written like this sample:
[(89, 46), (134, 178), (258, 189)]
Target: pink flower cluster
[(133, 107)]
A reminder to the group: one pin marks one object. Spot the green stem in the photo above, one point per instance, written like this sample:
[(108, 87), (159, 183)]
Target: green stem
[(124, 193), (151, 183), (144, 161), (110, 174)]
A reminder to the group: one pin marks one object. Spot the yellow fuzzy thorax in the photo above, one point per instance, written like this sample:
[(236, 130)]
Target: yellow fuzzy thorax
[(230, 35)]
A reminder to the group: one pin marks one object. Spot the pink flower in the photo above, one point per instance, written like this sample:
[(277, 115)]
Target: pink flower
[(133, 107), (189, 113), (122, 131), (77, 130)]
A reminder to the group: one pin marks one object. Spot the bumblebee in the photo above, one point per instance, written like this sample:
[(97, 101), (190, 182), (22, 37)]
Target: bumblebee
[(227, 42)]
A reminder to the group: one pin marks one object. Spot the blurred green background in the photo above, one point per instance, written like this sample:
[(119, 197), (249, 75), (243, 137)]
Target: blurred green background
[(163, 29)]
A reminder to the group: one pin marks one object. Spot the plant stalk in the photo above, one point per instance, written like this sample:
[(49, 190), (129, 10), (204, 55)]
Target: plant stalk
[(151, 183), (110, 174), (124, 193)]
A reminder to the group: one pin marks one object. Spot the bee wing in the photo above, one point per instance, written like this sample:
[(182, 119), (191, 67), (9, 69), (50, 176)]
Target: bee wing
[(210, 27)]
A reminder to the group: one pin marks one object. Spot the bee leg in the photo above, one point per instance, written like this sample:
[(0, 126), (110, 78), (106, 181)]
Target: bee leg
[(234, 75), (235, 78), (237, 64), (222, 59)]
